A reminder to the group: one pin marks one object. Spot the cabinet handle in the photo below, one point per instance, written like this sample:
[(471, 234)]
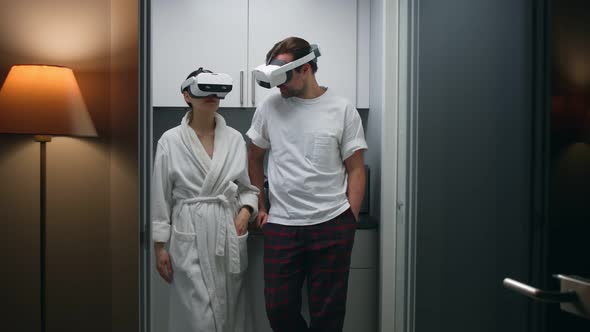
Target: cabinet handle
[(241, 88), (253, 90)]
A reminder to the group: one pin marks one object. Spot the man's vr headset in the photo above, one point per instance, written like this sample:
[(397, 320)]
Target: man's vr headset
[(206, 84), (278, 72)]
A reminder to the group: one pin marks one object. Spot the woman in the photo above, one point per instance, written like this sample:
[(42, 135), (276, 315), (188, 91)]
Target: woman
[(202, 201)]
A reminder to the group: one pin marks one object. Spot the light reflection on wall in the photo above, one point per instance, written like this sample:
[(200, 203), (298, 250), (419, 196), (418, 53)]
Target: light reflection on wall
[(571, 37), (571, 181), (570, 59), (577, 66), (58, 31)]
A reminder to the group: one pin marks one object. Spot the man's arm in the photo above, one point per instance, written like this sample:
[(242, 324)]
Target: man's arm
[(355, 168), (256, 173)]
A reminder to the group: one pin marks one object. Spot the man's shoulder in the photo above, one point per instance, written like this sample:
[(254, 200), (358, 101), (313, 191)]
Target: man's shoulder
[(336, 99), (272, 102)]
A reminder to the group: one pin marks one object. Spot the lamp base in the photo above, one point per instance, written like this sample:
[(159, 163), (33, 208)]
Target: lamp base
[(42, 138)]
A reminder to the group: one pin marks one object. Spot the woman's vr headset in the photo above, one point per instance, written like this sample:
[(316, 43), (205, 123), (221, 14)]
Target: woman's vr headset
[(206, 84), (278, 72)]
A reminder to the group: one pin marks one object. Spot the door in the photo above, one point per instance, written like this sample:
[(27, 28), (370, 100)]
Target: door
[(188, 34), (493, 193), (567, 221)]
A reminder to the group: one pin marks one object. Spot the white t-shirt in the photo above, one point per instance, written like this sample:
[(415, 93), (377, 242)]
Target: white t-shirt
[(308, 140)]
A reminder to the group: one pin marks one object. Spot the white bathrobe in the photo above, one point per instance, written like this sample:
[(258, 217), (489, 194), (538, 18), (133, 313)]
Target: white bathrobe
[(193, 204)]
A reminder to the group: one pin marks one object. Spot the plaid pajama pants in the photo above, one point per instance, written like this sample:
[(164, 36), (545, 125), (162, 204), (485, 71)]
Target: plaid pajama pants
[(320, 253)]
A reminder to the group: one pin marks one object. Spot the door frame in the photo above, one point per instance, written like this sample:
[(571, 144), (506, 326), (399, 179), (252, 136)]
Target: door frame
[(397, 254), (145, 162)]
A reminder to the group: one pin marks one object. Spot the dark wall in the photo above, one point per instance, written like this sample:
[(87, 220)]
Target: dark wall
[(569, 176)]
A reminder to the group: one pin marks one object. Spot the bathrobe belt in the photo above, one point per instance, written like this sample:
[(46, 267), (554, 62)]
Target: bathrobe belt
[(225, 225)]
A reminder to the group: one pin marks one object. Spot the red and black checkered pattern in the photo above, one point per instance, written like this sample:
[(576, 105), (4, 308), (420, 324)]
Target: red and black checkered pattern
[(320, 253)]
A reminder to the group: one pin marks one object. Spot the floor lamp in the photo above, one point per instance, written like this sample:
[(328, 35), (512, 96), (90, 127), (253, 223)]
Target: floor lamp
[(43, 101)]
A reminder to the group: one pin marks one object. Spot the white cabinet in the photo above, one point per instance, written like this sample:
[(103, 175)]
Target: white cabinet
[(363, 53), (331, 24), (233, 36), (362, 309), (255, 283), (188, 34)]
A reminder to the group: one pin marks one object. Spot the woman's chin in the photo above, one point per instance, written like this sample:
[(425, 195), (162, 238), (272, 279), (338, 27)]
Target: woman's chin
[(209, 107)]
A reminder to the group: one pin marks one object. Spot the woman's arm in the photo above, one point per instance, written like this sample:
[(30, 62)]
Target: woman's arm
[(161, 196)]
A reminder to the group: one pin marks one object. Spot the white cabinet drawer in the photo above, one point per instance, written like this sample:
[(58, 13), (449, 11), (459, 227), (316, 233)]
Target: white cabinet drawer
[(365, 251)]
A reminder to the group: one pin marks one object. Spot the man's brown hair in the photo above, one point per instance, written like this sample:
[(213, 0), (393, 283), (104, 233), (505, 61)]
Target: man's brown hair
[(298, 47)]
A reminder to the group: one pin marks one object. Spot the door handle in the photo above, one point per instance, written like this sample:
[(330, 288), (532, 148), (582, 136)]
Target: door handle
[(538, 294), (574, 295)]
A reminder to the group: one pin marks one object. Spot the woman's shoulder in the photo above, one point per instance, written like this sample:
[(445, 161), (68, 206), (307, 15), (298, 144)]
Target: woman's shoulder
[(233, 134), (171, 135)]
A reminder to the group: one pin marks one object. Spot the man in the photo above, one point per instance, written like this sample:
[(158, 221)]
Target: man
[(316, 183)]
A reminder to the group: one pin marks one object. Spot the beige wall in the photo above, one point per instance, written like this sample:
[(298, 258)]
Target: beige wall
[(92, 247), (19, 221), (124, 166)]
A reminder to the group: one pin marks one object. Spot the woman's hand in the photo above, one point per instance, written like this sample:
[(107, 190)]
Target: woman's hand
[(241, 221), (163, 263)]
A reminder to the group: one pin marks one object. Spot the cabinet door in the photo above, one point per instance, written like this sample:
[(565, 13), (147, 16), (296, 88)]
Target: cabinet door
[(362, 310), (188, 34), (255, 283), (331, 24)]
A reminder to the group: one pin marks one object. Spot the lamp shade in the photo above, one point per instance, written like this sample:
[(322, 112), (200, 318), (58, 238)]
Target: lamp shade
[(43, 100)]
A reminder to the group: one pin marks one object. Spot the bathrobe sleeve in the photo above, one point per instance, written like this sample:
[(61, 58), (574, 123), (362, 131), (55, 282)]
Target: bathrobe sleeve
[(161, 196), (247, 193)]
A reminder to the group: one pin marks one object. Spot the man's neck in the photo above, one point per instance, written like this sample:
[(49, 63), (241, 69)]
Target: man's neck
[(313, 90)]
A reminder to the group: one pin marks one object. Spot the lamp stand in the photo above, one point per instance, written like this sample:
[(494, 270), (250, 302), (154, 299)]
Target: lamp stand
[(42, 139)]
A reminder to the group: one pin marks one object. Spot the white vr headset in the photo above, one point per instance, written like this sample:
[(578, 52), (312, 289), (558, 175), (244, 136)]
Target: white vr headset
[(206, 84), (278, 72)]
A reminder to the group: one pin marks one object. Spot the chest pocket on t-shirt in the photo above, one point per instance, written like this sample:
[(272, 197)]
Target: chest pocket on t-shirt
[(323, 151)]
